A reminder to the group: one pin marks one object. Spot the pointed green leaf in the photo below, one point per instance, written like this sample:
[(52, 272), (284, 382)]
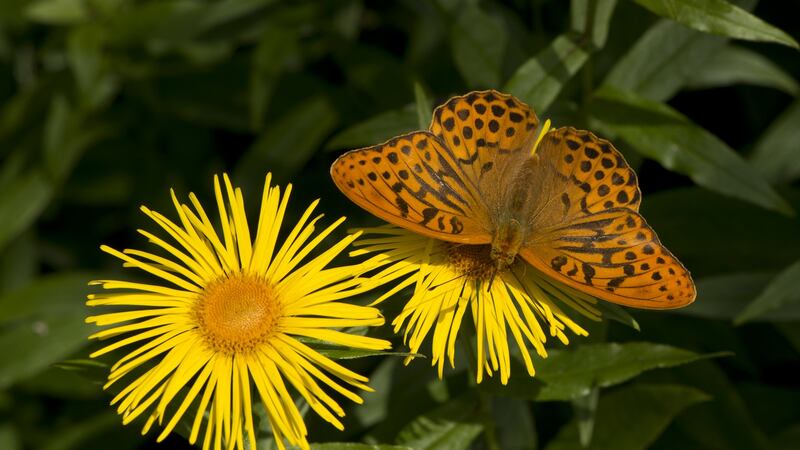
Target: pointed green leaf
[(452, 426), (592, 17), (352, 353), (708, 223), (659, 132), (424, 110), (514, 423), (23, 199), (662, 60), (9, 438), (538, 81), (573, 373), (584, 409), (287, 144), (357, 446), (732, 65), (269, 58), (718, 17), (781, 292), (41, 324), (51, 294), (723, 296), (478, 42), (85, 433), (379, 128), (631, 418), (59, 12), (775, 155), (617, 313)]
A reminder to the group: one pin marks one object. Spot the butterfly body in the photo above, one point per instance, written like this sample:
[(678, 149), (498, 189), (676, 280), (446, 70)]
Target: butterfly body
[(567, 206)]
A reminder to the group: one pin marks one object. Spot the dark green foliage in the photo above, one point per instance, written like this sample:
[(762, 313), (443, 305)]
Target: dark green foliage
[(106, 105)]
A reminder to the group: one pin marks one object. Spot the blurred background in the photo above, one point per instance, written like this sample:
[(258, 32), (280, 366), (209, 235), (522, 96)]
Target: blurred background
[(107, 104)]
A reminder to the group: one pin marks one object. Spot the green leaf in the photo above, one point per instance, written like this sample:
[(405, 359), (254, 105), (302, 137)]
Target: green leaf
[(662, 60), (538, 81), (31, 346), (340, 353), (592, 18), (514, 423), (724, 296), (424, 110), (791, 332), (276, 46), (379, 128), (722, 423), (452, 426), (59, 12), (85, 54), (584, 409), (176, 22), (287, 145), (79, 435), (376, 404), (51, 294), (782, 291), (356, 446), (732, 65), (617, 313), (41, 324), (23, 199), (478, 42), (775, 154), (571, 374), (631, 418), (718, 17), (9, 438), (713, 234), (19, 263), (661, 133), (786, 439)]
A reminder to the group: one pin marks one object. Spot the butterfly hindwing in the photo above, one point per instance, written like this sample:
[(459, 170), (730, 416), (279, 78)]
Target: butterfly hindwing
[(614, 255), (593, 175), (412, 181), (587, 231)]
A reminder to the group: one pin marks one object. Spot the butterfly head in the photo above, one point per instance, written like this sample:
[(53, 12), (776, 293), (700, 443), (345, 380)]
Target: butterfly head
[(506, 243)]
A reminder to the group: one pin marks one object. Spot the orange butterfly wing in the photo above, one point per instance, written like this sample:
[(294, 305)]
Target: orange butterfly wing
[(413, 182), (587, 232), (443, 183)]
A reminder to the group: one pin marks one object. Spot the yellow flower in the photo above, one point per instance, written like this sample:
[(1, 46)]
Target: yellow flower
[(448, 279), (230, 314)]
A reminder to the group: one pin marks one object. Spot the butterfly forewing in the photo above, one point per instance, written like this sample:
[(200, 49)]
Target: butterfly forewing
[(481, 130), (412, 181), (587, 233)]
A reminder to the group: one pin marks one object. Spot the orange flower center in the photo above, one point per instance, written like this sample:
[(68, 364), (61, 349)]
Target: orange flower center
[(237, 313)]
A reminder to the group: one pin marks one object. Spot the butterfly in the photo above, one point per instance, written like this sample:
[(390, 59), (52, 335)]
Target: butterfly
[(563, 200)]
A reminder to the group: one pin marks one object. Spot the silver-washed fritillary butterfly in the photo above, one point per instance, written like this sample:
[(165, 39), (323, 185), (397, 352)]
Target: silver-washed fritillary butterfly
[(567, 204)]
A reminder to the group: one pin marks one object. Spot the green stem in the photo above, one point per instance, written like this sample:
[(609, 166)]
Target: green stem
[(484, 398)]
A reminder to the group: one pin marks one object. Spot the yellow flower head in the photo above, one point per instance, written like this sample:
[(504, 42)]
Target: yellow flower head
[(229, 314), (448, 279)]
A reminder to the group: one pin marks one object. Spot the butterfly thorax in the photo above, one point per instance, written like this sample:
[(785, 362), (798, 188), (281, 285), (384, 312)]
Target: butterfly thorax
[(509, 233)]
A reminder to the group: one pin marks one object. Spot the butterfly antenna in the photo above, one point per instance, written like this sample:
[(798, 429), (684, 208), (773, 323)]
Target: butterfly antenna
[(463, 275), (491, 280)]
